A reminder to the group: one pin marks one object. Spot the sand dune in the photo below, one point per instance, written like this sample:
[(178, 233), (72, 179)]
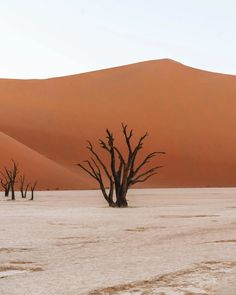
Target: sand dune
[(189, 113), (37, 167)]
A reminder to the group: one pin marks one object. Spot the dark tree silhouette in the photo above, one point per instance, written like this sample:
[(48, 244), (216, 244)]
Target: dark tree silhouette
[(123, 171), (5, 183), (12, 174), (23, 187), (32, 188)]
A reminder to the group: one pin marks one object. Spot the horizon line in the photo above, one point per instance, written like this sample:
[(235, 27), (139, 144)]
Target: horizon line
[(170, 60)]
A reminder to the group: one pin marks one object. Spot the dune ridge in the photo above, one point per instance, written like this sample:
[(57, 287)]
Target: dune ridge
[(189, 113)]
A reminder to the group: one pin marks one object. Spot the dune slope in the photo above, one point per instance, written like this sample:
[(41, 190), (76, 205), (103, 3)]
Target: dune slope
[(189, 113), (36, 167)]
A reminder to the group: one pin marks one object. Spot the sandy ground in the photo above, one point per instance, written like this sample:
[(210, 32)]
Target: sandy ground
[(172, 241)]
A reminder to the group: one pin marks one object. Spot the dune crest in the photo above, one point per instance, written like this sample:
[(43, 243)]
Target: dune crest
[(189, 113)]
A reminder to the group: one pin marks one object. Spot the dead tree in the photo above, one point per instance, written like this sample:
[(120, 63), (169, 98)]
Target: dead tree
[(123, 172), (32, 187), (5, 184), (12, 174), (23, 187)]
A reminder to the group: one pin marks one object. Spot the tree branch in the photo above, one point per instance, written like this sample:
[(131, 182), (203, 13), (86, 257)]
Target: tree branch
[(89, 172), (152, 171), (90, 148), (128, 136), (144, 179), (146, 160)]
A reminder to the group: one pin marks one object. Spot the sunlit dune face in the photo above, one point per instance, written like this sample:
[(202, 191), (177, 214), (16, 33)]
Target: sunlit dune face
[(189, 114)]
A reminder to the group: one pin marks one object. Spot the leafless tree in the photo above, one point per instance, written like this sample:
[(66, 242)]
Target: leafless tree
[(12, 174), (123, 171), (32, 187), (5, 183), (23, 187)]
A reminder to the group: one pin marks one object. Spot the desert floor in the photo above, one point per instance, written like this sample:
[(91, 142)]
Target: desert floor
[(170, 241)]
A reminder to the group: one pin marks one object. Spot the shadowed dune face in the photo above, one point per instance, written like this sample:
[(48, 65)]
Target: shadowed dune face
[(189, 113)]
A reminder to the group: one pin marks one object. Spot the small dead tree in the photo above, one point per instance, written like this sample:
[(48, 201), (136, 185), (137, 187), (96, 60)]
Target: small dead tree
[(123, 172), (5, 184), (23, 187), (12, 174), (32, 188)]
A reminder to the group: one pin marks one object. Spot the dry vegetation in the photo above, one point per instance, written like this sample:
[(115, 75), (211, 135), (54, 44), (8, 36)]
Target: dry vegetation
[(123, 171), (11, 178)]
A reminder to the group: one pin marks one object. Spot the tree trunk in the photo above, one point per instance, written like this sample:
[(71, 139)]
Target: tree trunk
[(12, 193), (109, 199), (121, 201), (7, 190), (32, 196), (112, 204)]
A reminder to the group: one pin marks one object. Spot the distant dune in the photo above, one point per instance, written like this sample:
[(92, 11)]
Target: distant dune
[(189, 113), (35, 166)]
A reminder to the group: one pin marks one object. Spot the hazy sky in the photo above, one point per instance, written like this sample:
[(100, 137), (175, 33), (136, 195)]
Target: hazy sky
[(44, 38)]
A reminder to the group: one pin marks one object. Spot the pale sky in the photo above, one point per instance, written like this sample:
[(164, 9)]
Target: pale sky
[(46, 38)]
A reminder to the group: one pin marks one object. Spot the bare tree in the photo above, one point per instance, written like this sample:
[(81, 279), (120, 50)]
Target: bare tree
[(32, 187), (123, 171), (12, 174), (23, 187), (5, 183)]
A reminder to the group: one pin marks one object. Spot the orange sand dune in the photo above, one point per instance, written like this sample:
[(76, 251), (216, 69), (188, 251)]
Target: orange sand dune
[(189, 113), (35, 166)]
